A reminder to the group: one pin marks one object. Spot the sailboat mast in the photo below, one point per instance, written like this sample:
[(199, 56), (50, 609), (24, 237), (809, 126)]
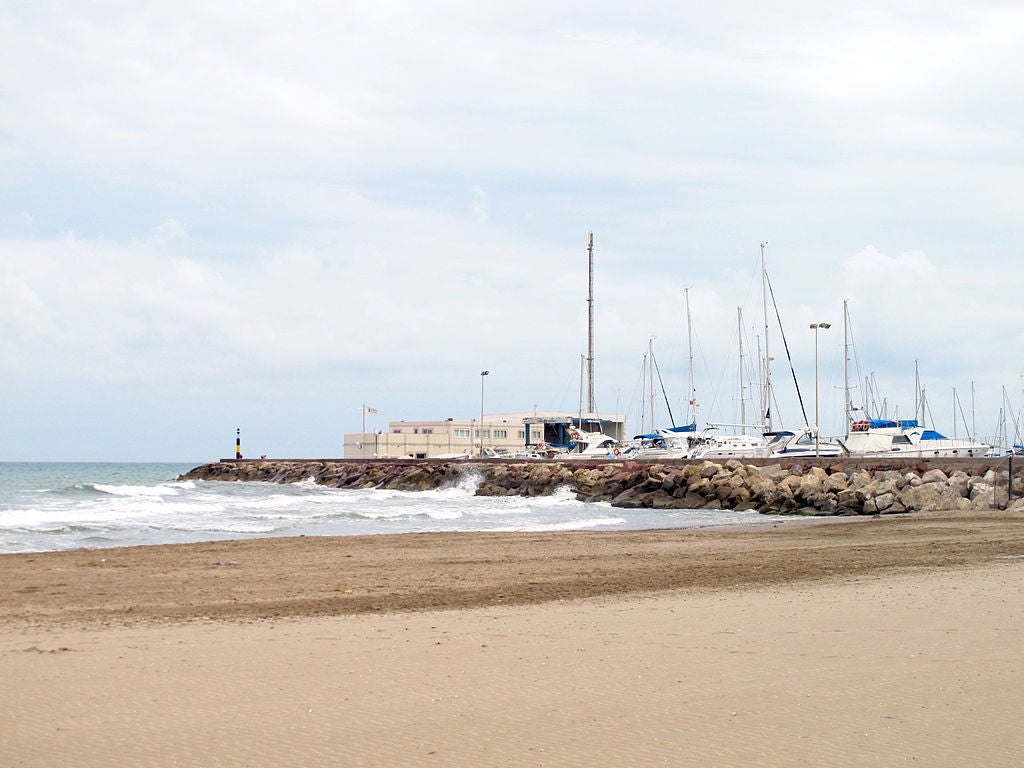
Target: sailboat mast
[(650, 354), (846, 366), (689, 344), (590, 327), (760, 376), (743, 404), (919, 395), (974, 424), (766, 411), (582, 366), (643, 394)]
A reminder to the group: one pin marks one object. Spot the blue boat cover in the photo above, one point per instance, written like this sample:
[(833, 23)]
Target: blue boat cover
[(902, 423), (684, 428), (931, 434)]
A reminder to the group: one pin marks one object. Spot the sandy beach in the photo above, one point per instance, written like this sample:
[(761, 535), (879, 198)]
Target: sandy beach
[(854, 642)]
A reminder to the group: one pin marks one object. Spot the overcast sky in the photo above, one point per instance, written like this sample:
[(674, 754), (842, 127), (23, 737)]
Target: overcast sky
[(215, 215)]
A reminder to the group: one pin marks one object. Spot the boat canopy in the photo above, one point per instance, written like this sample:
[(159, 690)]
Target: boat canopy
[(889, 423), (931, 434), (684, 428)]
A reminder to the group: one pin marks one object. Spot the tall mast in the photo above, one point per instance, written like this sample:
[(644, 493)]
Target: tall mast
[(590, 327), (583, 364), (760, 377), (846, 366), (766, 411), (974, 424), (743, 404), (643, 394), (689, 342), (650, 372), (919, 395)]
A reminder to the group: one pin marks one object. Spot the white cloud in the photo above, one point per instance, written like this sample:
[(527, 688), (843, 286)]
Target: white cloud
[(305, 206), (479, 205)]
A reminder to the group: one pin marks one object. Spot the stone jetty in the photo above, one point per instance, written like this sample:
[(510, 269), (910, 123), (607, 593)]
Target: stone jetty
[(804, 487)]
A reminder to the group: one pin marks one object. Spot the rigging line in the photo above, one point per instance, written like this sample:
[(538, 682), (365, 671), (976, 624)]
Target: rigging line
[(930, 418), (785, 344), (864, 397), (963, 418), (664, 394), (638, 396), (1013, 417)]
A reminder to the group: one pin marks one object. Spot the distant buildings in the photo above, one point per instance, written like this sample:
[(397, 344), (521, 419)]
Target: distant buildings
[(502, 432)]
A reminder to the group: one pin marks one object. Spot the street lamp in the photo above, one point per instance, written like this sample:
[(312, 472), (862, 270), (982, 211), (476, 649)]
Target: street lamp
[(817, 428), (482, 374)]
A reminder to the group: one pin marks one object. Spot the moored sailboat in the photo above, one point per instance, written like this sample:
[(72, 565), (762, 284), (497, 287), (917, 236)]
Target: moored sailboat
[(878, 436)]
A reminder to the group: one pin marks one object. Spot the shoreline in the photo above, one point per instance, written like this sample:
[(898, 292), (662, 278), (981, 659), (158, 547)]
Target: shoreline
[(265, 579)]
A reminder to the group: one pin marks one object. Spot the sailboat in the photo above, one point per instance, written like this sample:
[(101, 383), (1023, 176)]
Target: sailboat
[(768, 442), (874, 437)]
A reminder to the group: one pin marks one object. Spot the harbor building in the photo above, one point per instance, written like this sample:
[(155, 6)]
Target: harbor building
[(498, 434)]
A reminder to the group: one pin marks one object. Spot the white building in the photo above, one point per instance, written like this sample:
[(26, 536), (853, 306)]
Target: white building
[(501, 432)]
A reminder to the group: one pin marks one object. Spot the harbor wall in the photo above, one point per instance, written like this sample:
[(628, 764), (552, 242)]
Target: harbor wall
[(800, 487)]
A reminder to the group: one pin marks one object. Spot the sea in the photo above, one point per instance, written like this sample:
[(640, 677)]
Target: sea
[(58, 506)]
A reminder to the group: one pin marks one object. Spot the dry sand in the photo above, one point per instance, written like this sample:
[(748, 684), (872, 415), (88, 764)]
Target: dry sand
[(878, 641)]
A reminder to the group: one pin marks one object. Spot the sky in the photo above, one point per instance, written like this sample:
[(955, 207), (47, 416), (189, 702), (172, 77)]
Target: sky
[(218, 217)]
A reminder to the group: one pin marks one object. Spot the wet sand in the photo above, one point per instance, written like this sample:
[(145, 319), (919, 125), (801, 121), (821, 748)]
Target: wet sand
[(873, 641)]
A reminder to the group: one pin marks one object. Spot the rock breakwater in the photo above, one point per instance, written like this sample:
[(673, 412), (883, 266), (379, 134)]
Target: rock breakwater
[(847, 487)]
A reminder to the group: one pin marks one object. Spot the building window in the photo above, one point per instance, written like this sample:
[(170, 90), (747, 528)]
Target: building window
[(428, 430), (397, 430), (461, 432), (522, 434), (500, 433)]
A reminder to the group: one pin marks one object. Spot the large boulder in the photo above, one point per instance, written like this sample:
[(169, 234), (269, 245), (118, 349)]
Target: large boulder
[(931, 496), (836, 482), (934, 476)]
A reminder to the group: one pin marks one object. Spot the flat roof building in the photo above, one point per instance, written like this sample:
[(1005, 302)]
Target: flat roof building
[(499, 433)]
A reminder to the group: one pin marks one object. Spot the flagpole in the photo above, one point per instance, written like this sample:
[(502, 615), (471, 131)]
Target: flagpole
[(364, 418)]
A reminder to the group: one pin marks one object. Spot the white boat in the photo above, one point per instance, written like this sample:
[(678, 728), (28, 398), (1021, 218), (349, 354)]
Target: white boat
[(591, 445), (802, 443), (708, 446), (878, 437), (777, 443), (906, 437), (669, 443)]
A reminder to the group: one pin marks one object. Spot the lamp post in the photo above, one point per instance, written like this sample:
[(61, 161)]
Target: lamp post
[(482, 374), (817, 429)]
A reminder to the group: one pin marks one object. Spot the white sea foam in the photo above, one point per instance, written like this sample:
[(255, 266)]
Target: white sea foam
[(111, 505), (136, 490)]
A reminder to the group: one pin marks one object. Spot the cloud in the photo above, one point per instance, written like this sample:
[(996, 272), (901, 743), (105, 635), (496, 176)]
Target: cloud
[(479, 205), (285, 210)]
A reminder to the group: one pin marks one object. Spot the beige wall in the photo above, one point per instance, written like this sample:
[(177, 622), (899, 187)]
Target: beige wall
[(430, 439)]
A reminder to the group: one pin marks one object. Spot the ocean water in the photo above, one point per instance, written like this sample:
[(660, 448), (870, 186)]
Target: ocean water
[(54, 506)]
